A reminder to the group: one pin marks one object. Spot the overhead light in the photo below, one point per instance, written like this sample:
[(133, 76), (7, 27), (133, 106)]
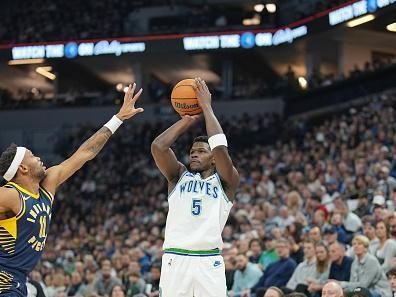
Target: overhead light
[(302, 82), (271, 7), (46, 72), (359, 21), (25, 61), (391, 27), (259, 7), (125, 89), (255, 20)]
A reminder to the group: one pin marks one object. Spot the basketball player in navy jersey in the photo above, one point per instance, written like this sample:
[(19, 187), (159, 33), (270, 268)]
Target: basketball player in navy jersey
[(26, 200), (200, 200)]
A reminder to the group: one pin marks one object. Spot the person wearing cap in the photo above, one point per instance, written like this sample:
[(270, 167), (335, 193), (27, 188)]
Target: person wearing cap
[(330, 235), (269, 255), (378, 206), (387, 183), (26, 200), (366, 271), (361, 292)]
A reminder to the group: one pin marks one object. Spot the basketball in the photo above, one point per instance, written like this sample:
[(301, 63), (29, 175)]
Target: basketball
[(184, 99)]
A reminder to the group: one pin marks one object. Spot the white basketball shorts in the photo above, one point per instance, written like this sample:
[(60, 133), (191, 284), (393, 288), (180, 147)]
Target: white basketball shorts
[(192, 276)]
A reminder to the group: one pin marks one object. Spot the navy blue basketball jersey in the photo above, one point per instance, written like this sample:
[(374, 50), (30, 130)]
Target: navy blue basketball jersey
[(22, 238)]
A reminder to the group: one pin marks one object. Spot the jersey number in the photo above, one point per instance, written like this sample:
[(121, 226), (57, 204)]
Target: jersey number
[(196, 207), (43, 227)]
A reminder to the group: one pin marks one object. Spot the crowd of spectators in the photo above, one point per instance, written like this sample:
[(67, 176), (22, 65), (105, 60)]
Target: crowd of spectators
[(317, 79), (316, 202)]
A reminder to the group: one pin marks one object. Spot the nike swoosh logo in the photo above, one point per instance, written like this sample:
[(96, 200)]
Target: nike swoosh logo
[(217, 263)]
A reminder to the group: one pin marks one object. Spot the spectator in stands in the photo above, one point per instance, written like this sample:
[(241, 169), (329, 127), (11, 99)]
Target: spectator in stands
[(391, 274), (255, 250), (104, 282), (296, 251), (305, 270), (273, 292), (269, 255), (135, 284), (332, 289), (315, 234), (370, 233), (77, 286), (246, 275), (278, 273), (284, 218), (316, 283), (152, 286), (352, 222), (338, 226), (117, 291), (386, 250), (340, 268), (330, 235), (366, 271), (89, 282)]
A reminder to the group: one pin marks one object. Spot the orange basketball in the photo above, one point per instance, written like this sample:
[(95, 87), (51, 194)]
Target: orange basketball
[(184, 99)]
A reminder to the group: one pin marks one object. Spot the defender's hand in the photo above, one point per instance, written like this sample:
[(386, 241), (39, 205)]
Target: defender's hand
[(128, 109), (203, 95)]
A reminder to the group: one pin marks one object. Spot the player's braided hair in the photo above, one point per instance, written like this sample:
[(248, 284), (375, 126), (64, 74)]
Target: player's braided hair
[(6, 158)]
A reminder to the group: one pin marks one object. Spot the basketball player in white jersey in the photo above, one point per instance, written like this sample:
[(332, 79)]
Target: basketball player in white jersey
[(200, 200)]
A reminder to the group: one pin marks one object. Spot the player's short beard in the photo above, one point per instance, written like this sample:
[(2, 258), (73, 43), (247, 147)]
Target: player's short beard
[(40, 174)]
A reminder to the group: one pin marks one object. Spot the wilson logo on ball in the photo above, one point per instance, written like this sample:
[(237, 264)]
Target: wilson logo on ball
[(184, 99)]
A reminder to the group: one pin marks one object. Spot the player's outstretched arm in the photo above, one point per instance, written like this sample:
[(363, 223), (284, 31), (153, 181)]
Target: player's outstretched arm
[(163, 155), (91, 147), (217, 140)]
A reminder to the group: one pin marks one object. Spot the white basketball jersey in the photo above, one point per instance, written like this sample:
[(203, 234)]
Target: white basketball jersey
[(198, 211)]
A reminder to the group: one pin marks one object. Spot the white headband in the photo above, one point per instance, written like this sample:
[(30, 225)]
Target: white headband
[(12, 170)]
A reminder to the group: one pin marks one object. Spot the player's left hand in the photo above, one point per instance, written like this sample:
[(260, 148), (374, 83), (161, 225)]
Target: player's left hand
[(203, 95), (128, 109)]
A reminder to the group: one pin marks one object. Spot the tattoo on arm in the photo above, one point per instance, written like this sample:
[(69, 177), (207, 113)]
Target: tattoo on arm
[(96, 142)]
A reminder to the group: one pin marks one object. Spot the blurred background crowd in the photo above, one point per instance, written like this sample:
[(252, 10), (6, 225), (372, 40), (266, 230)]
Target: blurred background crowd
[(316, 197)]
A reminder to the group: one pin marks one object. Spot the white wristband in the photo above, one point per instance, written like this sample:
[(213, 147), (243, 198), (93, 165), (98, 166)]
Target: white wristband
[(217, 140), (113, 124)]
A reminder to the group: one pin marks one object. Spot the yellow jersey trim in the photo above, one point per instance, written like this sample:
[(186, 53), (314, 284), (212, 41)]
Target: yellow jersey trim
[(47, 194), (35, 196), (10, 225)]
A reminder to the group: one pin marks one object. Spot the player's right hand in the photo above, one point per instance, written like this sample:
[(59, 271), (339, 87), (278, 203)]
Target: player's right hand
[(128, 109)]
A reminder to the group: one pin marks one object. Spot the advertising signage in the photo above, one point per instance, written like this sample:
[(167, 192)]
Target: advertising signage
[(245, 39), (73, 50), (357, 9)]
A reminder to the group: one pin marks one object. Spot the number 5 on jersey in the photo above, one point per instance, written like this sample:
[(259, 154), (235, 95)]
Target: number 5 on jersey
[(196, 207)]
